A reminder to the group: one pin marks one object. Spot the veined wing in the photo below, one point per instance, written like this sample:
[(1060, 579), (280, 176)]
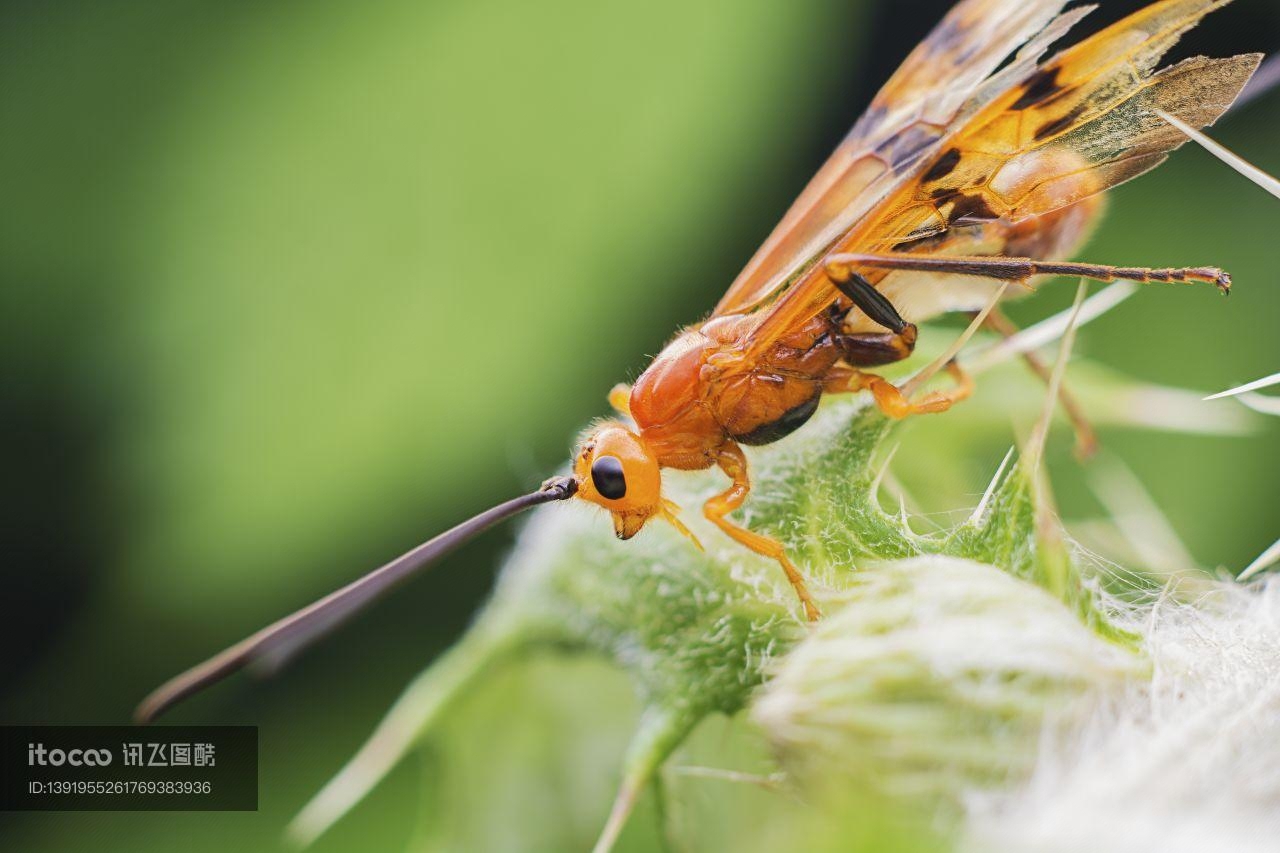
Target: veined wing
[(1081, 123), (903, 123)]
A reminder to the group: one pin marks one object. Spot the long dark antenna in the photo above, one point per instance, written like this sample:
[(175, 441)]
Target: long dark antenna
[(277, 642)]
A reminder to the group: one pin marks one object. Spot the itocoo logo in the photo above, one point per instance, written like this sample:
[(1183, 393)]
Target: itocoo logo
[(38, 755)]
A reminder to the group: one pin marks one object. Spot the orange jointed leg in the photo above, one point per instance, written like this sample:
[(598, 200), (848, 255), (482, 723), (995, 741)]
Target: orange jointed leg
[(890, 399), (620, 398), (734, 464)]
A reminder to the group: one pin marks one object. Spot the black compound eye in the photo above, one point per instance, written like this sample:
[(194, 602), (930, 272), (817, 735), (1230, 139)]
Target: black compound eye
[(607, 477)]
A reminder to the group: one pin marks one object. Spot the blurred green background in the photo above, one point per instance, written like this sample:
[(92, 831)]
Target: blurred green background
[(288, 287)]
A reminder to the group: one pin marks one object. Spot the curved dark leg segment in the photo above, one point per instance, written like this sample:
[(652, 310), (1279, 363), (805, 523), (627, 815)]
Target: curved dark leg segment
[(873, 349), (872, 302)]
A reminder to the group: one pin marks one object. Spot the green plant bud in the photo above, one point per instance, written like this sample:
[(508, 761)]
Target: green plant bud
[(937, 676)]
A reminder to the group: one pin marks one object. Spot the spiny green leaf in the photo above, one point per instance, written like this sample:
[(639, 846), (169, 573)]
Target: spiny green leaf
[(700, 633)]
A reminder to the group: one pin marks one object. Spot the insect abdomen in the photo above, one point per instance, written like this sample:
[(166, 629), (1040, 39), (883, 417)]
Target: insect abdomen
[(790, 421)]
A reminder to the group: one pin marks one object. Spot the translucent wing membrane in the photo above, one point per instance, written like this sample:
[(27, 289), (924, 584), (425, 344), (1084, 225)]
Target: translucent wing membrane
[(903, 124), (1052, 135)]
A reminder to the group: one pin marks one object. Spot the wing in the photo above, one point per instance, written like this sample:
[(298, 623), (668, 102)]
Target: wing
[(1080, 123), (903, 124)]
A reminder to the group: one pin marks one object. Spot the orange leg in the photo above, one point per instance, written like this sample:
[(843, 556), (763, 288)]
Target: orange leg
[(872, 349), (842, 270), (890, 399), (734, 464), (620, 399)]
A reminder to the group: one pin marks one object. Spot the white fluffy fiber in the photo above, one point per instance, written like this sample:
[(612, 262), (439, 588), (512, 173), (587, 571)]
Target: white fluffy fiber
[(1187, 762)]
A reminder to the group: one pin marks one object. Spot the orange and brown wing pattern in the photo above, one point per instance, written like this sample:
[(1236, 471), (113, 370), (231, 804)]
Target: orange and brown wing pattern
[(1079, 124), (903, 124)]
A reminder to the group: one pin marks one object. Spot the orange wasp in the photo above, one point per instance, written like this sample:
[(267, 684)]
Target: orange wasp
[(980, 163)]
